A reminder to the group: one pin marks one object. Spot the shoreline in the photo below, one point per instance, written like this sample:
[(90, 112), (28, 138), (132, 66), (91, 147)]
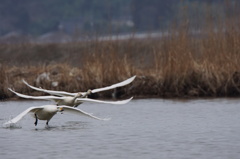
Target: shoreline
[(181, 99)]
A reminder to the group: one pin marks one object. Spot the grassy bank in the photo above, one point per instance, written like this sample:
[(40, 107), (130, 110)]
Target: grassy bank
[(178, 65)]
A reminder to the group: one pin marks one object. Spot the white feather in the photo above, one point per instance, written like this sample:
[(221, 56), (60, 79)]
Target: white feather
[(63, 93)]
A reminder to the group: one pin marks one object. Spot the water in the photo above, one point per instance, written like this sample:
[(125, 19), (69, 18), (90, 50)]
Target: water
[(147, 128)]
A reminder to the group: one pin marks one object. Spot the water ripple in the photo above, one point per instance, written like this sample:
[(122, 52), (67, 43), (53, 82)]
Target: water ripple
[(140, 129)]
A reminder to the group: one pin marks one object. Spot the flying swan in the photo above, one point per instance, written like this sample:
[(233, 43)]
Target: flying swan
[(68, 100), (82, 94), (46, 112)]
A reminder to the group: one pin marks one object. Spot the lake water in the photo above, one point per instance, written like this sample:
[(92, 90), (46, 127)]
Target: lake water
[(141, 129)]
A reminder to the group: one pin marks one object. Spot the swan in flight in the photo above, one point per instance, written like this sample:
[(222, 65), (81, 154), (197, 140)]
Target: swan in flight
[(82, 94), (70, 101), (46, 112)]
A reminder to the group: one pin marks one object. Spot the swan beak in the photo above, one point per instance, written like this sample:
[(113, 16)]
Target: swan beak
[(61, 110)]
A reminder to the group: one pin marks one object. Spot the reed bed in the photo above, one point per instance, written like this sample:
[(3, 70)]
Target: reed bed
[(177, 65)]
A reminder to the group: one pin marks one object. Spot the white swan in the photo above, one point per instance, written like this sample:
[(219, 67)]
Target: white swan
[(46, 112), (68, 100), (83, 94)]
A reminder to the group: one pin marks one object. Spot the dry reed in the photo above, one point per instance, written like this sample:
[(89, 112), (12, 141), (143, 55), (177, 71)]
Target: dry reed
[(177, 65)]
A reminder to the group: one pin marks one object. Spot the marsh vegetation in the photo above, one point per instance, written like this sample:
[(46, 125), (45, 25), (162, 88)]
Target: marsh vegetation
[(185, 62)]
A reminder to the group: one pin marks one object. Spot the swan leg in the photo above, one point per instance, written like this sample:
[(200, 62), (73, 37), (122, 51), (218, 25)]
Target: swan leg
[(36, 122), (48, 122), (47, 126)]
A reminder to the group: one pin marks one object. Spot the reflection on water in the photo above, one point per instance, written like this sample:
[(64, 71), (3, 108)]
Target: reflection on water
[(70, 125), (150, 128)]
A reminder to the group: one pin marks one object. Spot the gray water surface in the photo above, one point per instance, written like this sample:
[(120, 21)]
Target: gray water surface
[(144, 129)]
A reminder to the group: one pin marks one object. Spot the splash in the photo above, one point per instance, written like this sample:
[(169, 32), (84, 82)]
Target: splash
[(11, 126)]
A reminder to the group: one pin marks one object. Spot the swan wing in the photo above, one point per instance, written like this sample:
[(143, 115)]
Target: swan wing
[(63, 93), (123, 83), (21, 115), (58, 93), (55, 98), (104, 102), (79, 112)]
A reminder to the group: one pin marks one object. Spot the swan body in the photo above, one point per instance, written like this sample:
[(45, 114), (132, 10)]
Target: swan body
[(68, 100), (83, 94), (46, 112)]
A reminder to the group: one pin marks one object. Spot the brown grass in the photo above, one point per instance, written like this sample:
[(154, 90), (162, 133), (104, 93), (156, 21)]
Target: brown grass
[(178, 65)]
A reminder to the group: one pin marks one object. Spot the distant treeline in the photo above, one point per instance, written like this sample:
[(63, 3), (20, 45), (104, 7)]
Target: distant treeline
[(105, 16)]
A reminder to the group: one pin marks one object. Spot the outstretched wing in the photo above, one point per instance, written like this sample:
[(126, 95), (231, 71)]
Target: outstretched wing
[(123, 83), (36, 97), (104, 102), (79, 112), (63, 93), (58, 93), (20, 116)]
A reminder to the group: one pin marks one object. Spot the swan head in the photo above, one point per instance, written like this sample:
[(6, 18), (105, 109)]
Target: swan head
[(89, 92), (60, 109)]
